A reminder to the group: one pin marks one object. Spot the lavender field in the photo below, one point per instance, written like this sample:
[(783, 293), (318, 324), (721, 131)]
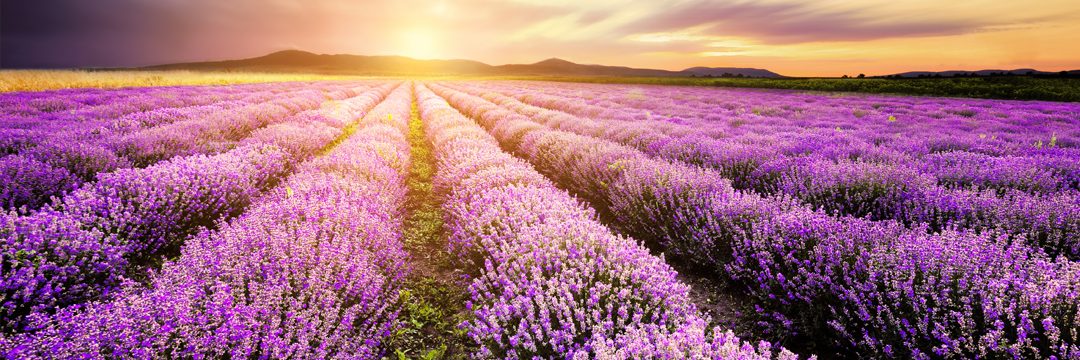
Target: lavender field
[(401, 219)]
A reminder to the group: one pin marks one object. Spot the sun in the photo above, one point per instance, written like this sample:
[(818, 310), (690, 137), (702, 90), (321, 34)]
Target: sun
[(420, 43)]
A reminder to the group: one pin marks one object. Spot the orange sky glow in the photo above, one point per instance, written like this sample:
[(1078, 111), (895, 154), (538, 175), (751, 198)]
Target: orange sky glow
[(794, 38)]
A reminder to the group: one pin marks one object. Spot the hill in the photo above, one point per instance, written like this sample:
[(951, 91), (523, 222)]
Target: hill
[(987, 72), (729, 71), (302, 61)]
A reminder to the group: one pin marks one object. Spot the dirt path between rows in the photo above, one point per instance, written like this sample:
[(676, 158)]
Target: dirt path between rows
[(435, 293)]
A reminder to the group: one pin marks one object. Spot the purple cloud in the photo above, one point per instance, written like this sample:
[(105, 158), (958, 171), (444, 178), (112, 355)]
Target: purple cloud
[(796, 22)]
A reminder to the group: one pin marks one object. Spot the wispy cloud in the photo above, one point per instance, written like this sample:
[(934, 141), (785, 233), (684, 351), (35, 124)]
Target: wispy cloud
[(823, 34), (792, 22)]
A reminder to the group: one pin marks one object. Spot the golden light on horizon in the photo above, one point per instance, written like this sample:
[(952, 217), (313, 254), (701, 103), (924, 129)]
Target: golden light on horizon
[(419, 43), (791, 37)]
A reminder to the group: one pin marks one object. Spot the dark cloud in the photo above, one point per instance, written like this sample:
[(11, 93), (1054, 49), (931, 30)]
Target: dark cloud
[(66, 33), (112, 33)]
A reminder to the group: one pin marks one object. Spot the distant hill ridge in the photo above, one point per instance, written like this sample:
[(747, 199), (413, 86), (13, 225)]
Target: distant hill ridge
[(303, 61), (988, 72)]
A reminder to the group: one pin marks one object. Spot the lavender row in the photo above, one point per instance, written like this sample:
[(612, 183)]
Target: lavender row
[(552, 281), (85, 245), (813, 127), (861, 189), (214, 131), (69, 155), (26, 130), (16, 138), (865, 289), (989, 126), (22, 111), (1045, 171), (312, 270), (41, 103), (59, 164), (94, 104)]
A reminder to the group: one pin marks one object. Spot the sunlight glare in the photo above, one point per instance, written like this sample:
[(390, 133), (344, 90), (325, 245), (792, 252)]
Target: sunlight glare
[(419, 43)]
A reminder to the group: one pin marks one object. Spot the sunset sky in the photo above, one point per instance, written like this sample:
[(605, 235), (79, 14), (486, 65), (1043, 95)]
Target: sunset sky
[(795, 38)]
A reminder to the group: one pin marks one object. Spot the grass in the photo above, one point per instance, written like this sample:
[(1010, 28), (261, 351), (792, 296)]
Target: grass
[(38, 80), (435, 293), (987, 87)]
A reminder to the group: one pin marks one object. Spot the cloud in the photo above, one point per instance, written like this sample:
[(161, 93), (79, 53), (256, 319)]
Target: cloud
[(666, 34), (64, 33), (793, 22)]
